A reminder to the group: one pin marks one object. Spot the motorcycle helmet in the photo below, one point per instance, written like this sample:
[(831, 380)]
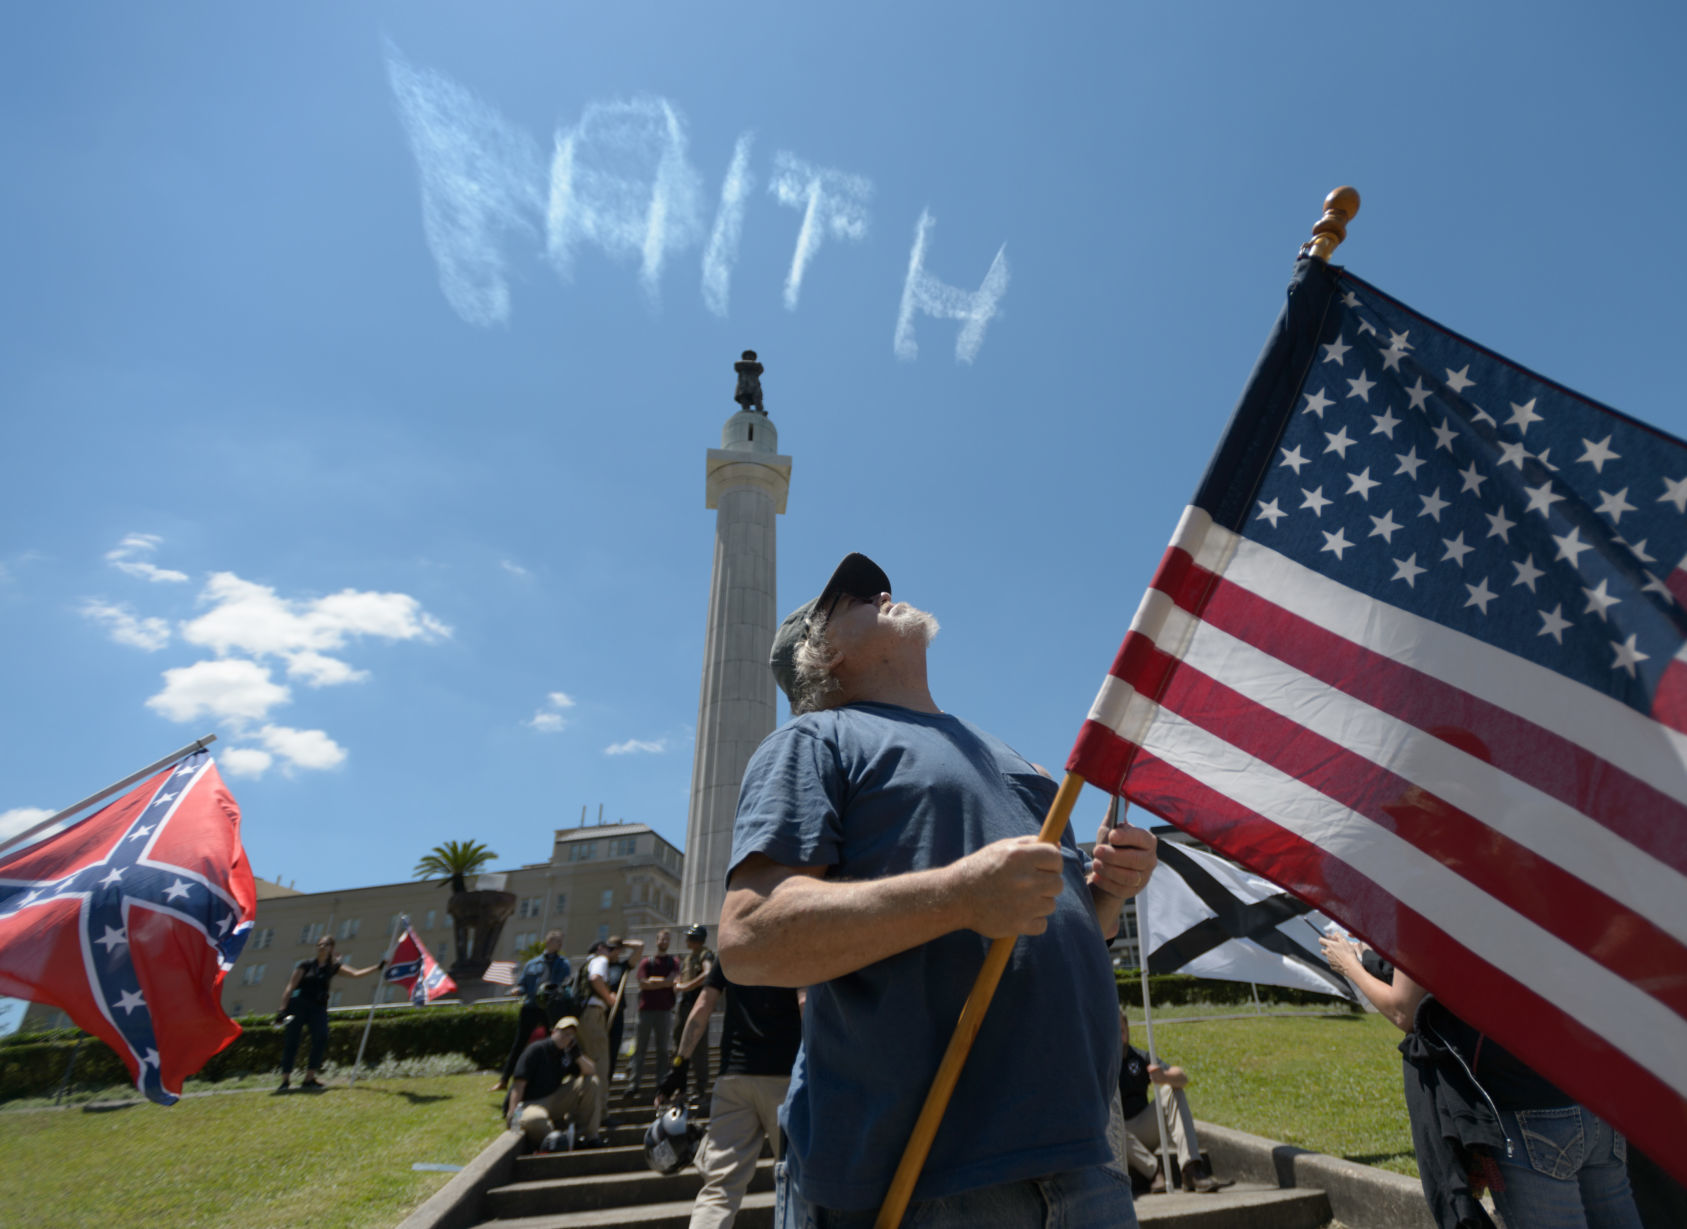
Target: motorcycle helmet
[(671, 1141)]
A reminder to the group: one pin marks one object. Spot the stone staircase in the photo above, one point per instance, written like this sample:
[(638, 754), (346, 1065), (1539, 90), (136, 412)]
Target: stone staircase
[(613, 1186)]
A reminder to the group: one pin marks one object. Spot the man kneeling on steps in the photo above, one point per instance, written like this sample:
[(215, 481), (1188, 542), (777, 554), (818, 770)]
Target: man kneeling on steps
[(1142, 1124), (555, 1085)]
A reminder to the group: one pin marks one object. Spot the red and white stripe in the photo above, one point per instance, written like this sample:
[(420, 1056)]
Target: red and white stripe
[(1513, 839), (501, 972)]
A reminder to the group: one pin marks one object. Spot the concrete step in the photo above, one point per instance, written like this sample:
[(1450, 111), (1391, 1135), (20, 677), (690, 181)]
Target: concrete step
[(756, 1212), (555, 1166), (599, 1191), (1247, 1205)]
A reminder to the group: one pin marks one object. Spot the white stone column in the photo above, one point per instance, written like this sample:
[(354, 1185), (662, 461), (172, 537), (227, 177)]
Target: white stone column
[(747, 481)]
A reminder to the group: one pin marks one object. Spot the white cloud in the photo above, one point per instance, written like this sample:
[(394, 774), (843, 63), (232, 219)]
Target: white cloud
[(548, 719), (923, 292), (832, 203), (123, 557), (244, 761), (124, 627), (482, 182), (514, 568), (316, 670), (251, 618), (621, 182), (302, 748), (722, 252), (232, 690), (636, 745), (21, 819)]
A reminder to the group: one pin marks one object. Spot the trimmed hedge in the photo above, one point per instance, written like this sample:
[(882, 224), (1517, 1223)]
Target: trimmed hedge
[(32, 1064), (1180, 989)]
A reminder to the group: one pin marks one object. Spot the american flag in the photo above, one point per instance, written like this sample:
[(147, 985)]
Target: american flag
[(129, 919), (501, 972), (1416, 653)]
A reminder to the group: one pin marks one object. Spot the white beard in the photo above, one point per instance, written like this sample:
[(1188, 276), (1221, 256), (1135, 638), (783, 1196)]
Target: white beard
[(914, 624)]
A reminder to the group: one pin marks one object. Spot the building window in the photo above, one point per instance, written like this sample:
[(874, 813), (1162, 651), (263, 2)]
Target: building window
[(623, 847), (431, 914), (349, 928), (602, 931), (253, 975), (531, 906), (311, 932), (394, 922), (526, 939), (236, 1008), (607, 900), (334, 999), (582, 851), (562, 902), (263, 938)]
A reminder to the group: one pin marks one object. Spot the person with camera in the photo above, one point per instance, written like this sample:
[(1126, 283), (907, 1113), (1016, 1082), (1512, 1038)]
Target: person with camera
[(546, 995), (304, 1004), (555, 1085)]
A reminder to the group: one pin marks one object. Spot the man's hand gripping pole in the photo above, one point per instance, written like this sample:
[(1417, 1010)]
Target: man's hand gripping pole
[(966, 1030)]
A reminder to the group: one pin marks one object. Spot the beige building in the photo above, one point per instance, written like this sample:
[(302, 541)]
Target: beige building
[(602, 879)]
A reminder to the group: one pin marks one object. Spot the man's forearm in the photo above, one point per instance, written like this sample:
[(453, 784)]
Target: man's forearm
[(807, 930), (1107, 910), (697, 1023)]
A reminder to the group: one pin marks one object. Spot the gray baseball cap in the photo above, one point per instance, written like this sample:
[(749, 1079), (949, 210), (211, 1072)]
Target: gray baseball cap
[(857, 576)]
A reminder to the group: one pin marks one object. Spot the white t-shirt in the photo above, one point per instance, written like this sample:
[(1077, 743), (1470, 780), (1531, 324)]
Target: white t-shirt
[(597, 966)]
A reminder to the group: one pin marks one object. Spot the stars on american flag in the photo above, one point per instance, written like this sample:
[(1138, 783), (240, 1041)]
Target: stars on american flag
[(1405, 487)]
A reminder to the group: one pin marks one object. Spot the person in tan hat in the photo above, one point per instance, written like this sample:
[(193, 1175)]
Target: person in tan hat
[(880, 845), (555, 1085)]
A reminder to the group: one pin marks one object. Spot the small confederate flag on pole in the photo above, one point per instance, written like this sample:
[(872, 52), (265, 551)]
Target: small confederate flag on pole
[(413, 968), (1416, 654), (128, 921)]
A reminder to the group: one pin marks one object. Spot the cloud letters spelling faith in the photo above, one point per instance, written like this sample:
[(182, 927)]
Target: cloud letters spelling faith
[(620, 180)]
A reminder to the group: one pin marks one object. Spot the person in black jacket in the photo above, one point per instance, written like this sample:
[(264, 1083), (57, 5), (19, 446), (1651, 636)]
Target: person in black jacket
[(305, 1003), (1481, 1118)]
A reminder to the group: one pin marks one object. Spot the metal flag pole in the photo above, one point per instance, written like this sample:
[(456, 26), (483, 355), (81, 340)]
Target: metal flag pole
[(966, 1030), (402, 921), (1153, 1054), (198, 744)]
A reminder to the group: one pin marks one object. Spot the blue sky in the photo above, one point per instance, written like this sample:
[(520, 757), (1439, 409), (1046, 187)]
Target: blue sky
[(332, 424)]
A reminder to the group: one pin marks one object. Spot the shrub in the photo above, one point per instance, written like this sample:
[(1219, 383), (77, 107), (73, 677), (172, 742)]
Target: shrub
[(1180, 989), (32, 1065)]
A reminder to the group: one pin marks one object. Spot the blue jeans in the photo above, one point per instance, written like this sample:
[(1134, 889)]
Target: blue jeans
[(314, 1015), (1569, 1171), (1094, 1198)]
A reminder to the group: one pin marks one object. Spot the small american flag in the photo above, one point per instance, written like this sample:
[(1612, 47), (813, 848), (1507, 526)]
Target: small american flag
[(1416, 654), (500, 971)]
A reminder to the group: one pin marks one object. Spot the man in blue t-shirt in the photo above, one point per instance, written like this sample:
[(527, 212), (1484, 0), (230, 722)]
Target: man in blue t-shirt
[(546, 994), (880, 845)]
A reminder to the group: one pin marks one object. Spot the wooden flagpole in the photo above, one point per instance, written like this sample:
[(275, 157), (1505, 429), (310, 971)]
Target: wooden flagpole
[(1331, 229), (966, 1030)]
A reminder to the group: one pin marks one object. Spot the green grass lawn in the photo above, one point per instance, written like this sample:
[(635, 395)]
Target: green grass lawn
[(337, 1158), (1330, 1084)]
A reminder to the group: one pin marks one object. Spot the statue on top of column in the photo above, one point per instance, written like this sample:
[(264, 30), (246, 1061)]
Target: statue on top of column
[(749, 382)]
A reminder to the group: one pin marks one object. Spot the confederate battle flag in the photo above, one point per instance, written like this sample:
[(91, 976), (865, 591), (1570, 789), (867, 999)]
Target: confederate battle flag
[(413, 968), (128, 921)]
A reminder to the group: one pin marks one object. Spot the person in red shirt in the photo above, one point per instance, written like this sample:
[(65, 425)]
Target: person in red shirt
[(656, 977)]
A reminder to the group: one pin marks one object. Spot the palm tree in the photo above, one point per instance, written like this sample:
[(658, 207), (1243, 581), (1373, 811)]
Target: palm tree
[(453, 861)]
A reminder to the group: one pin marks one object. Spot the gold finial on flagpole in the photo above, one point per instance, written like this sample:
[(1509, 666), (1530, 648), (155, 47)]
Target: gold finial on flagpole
[(1339, 208)]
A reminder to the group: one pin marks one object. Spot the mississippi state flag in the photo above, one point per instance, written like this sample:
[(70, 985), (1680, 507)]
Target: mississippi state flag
[(413, 968), (1415, 654), (128, 921)]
